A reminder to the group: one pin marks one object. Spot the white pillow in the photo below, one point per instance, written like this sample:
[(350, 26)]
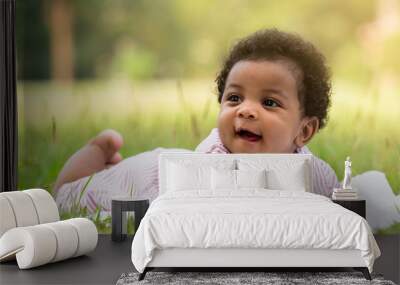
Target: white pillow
[(188, 177), (223, 179), (251, 178), (226, 179), (282, 173), (294, 180)]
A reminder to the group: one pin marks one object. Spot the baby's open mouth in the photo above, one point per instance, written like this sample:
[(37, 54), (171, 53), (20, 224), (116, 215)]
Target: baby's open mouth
[(249, 136)]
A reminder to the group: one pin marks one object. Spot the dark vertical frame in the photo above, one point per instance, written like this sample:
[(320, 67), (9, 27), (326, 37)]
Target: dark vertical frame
[(8, 98)]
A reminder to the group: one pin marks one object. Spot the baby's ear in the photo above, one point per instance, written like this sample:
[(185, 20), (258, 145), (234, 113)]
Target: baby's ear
[(309, 127)]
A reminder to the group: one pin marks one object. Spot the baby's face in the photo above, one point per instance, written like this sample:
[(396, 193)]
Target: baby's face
[(260, 109)]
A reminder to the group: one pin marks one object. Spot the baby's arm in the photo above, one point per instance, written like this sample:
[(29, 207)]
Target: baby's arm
[(324, 178)]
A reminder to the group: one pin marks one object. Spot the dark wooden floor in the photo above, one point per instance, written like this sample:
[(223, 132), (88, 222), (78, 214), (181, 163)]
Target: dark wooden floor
[(110, 260), (102, 266), (389, 262)]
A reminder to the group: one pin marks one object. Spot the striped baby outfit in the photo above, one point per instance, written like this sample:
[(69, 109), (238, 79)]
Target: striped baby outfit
[(137, 177)]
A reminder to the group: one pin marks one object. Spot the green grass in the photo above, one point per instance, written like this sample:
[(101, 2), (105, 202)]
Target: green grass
[(102, 224), (179, 115)]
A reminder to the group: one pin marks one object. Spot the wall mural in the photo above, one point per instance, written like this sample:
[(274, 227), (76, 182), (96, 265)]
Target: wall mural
[(104, 87)]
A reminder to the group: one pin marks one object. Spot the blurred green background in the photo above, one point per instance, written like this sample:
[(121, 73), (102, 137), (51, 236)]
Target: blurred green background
[(147, 69)]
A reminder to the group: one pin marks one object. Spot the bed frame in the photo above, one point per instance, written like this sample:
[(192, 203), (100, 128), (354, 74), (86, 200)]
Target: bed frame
[(234, 259), (248, 259)]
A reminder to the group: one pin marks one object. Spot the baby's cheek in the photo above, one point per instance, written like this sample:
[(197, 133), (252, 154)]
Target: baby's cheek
[(223, 123), (220, 123), (223, 132)]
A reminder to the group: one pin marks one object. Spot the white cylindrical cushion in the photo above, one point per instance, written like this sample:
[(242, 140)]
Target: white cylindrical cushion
[(87, 235), (67, 239), (23, 208), (45, 205), (7, 218), (33, 246), (40, 244)]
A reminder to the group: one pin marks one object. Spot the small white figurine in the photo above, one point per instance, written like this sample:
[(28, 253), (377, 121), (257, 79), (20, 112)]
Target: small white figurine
[(347, 174)]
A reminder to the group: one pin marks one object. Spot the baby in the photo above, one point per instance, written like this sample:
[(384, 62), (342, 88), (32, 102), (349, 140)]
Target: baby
[(274, 94)]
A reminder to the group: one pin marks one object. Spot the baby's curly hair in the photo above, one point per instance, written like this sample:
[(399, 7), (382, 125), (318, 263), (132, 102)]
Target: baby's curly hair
[(314, 88)]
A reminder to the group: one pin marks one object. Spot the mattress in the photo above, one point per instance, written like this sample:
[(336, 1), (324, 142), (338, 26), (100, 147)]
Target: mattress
[(250, 219)]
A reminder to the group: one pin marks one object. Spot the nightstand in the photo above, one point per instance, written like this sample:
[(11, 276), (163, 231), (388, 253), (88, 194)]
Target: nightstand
[(357, 206), (119, 208)]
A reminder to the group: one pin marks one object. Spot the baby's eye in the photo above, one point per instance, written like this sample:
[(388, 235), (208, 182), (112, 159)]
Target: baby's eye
[(270, 103), (233, 98)]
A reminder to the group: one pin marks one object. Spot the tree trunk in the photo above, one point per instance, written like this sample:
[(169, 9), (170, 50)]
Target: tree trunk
[(61, 41)]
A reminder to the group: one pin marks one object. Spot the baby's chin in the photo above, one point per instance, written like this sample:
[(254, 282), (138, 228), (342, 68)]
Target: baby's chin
[(235, 144), (237, 147)]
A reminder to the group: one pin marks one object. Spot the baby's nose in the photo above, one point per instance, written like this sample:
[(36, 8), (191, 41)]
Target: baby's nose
[(248, 112)]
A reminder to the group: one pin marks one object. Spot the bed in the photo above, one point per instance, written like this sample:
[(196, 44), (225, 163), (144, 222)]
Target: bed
[(245, 211)]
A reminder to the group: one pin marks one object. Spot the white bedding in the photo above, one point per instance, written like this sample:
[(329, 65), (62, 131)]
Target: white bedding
[(251, 218)]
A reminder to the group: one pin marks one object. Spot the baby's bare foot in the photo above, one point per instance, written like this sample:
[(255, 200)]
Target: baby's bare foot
[(109, 141), (99, 153)]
